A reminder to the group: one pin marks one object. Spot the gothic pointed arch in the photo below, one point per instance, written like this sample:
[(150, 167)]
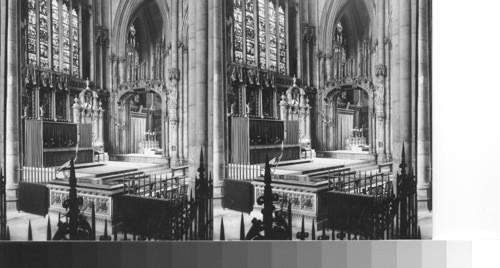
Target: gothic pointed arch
[(126, 11)]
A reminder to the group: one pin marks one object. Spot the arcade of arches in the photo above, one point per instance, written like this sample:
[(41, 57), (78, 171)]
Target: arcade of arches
[(238, 79)]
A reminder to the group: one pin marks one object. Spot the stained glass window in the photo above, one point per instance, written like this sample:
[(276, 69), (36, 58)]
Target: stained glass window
[(53, 38), (238, 31), (76, 42), (281, 40), (272, 36), (32, 33), (43, 32), (66, 39), (250, 32), (260, 34)]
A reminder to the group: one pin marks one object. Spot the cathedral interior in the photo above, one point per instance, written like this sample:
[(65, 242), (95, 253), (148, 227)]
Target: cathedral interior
[(137, 90)]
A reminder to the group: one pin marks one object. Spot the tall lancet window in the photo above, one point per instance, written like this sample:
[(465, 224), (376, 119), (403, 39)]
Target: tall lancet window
[(260, 34), (32, 33), (75, 44), (238, 31), (53, 35)]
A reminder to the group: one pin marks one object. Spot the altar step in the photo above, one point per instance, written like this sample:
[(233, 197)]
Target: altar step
[(289, 162), (88, 165), (347, 155), (140, 158), (364, 166), (138, 172)]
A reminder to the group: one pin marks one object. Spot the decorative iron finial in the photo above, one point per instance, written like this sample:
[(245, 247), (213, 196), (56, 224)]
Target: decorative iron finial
[(49, 229), (403, 161), (222, 235), (313, 232), (30, 232), (201, 168), (242, 228)]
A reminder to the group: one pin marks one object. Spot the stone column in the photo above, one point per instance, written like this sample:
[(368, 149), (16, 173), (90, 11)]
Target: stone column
[(202, 72), (174, 76), (165, 142), (395, 134), (118, 127), (423, 108), (405, 77), (328, 66), (200, 94), (101, 123), (388, 101), (308, 120), (298, 39), (185, 90), (193, 147), (126, 124), (122, 70), (3, 77), (323, 123), (12, 151), (320, 130), (332, 126), (218, 96), (379, 93)]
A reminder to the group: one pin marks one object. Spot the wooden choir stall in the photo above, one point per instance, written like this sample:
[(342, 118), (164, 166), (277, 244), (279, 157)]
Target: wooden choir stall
[(50, 143)]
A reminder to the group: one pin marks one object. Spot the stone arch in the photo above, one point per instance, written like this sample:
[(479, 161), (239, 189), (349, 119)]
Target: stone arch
[(329, 103), (124, 99), (126, 12), (335, 9)]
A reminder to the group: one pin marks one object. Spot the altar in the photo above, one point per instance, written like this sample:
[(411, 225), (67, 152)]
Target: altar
[(149, 145), (357, 142), (307, 195)]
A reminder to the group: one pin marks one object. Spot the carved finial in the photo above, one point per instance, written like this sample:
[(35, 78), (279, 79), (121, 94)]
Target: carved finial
[(88, 83), (403, 161), (294, 81)]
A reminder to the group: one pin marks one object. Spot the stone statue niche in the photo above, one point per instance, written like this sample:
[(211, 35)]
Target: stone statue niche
[(87, 109)]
